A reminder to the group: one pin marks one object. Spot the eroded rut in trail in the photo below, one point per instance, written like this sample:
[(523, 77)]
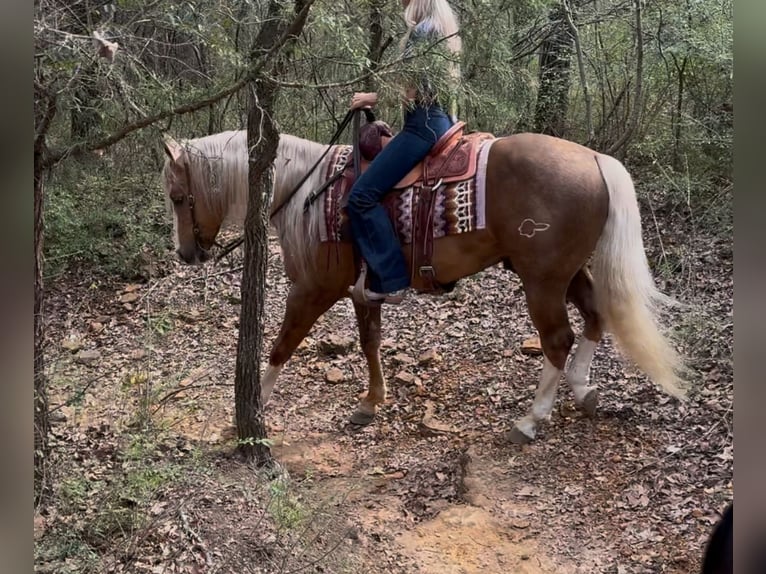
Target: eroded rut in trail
[(485, 532)]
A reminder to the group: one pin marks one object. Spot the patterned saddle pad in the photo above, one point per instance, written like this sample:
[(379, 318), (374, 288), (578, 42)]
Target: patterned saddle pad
[(459, 207)]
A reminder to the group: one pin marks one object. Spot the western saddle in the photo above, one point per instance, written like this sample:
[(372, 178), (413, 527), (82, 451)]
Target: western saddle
[(453, 158)]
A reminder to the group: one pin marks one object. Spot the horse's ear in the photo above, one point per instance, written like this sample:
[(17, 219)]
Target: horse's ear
[(173, 149)]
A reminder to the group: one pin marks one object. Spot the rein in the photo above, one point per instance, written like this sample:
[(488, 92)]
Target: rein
[(334, 139), (195, 227), (232, 245)]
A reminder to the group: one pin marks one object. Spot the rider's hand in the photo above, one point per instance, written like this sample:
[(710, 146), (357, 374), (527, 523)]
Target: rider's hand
[(362, 100)]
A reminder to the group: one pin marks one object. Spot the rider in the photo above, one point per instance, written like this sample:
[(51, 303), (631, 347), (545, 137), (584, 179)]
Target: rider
[(432, 43)]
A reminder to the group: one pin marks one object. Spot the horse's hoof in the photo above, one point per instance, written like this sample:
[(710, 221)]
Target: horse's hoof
[(590, 402), (361, 419), (516, 436)]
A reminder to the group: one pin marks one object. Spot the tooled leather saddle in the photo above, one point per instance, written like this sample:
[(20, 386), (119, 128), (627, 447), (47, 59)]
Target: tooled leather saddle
[(453, 158)]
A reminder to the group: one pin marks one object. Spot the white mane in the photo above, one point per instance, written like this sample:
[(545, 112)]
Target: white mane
[(218, 175)]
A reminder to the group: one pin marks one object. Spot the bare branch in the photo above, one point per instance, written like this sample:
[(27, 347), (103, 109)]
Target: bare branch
[(256, 69)]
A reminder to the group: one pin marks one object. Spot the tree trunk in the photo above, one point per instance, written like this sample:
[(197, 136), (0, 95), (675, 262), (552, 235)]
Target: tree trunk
[(41, 422), (555, 79), (45, 109), (581, 68), (635, 111), (262, 141), (678, 111), (375, 47)]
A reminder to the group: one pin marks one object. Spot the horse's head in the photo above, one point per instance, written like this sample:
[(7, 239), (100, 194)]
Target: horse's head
[(195, 224)]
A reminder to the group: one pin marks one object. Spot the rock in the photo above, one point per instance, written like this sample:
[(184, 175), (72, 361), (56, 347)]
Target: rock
[(88, 357), (130, 297), (192, 316), (429, 426), (520, 524), (57, 417), (137, 354), (532, 347), (334, 376), (406, 378), (306, 343), (429, 357), (335, 345), (73, 343), (402, 359)]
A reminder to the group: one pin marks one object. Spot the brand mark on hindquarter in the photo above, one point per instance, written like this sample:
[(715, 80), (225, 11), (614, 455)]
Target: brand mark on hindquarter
[(529, 227)]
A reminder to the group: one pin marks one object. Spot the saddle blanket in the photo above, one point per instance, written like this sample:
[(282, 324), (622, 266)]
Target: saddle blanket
[(459, 207)]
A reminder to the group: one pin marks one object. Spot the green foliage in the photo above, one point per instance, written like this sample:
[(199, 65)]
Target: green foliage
[(110, 212), (252, 441), (141, 386), (112, 219), (113, 508), (161, 323), (284, 506), (68, 549)]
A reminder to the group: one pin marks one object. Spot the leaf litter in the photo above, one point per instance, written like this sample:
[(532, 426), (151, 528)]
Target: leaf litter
[(634, 490)]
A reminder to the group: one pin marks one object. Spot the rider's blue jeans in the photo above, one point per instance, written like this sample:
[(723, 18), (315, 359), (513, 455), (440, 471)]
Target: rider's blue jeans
[(373, 232)]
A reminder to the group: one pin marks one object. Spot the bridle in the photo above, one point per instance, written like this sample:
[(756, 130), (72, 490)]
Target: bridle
[(191, 201)]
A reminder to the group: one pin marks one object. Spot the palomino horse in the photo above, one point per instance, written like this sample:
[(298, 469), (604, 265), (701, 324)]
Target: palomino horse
[(579, 203)]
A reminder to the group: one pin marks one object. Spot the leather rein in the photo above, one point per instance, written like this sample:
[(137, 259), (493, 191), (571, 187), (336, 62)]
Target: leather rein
[(342, 126), (349, 115)]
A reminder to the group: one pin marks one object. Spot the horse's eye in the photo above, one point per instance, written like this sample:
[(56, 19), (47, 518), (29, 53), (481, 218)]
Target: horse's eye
[(177, 200)]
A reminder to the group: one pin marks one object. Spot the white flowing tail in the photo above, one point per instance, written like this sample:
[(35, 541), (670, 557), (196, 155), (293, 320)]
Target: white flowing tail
[(628, 300)]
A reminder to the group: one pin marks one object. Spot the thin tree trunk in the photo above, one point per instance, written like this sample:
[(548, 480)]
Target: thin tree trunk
[(681, 70), (581, 67), (45, 109), (41, 422), (262, 142), (638, 96), (375, 48), (555, 62)]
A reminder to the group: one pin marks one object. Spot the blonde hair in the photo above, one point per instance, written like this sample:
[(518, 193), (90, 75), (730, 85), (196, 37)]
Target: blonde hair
[(435, 16)]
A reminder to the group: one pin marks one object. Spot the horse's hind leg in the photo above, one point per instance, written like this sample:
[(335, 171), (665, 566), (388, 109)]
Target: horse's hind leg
[(580, 292), (368, 319), (547, 308), (305, 304)]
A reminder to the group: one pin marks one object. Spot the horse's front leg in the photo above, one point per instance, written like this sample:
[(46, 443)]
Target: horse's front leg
[(305, 304), (368, 319)]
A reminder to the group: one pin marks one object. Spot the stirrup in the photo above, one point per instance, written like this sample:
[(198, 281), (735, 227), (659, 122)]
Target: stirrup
[(361, 295)]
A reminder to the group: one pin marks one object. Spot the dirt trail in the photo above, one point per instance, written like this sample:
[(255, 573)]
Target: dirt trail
[(484, 533), (634, 490)]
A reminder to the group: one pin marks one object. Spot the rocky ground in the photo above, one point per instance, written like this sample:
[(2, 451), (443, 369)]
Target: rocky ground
[(141, 378)]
